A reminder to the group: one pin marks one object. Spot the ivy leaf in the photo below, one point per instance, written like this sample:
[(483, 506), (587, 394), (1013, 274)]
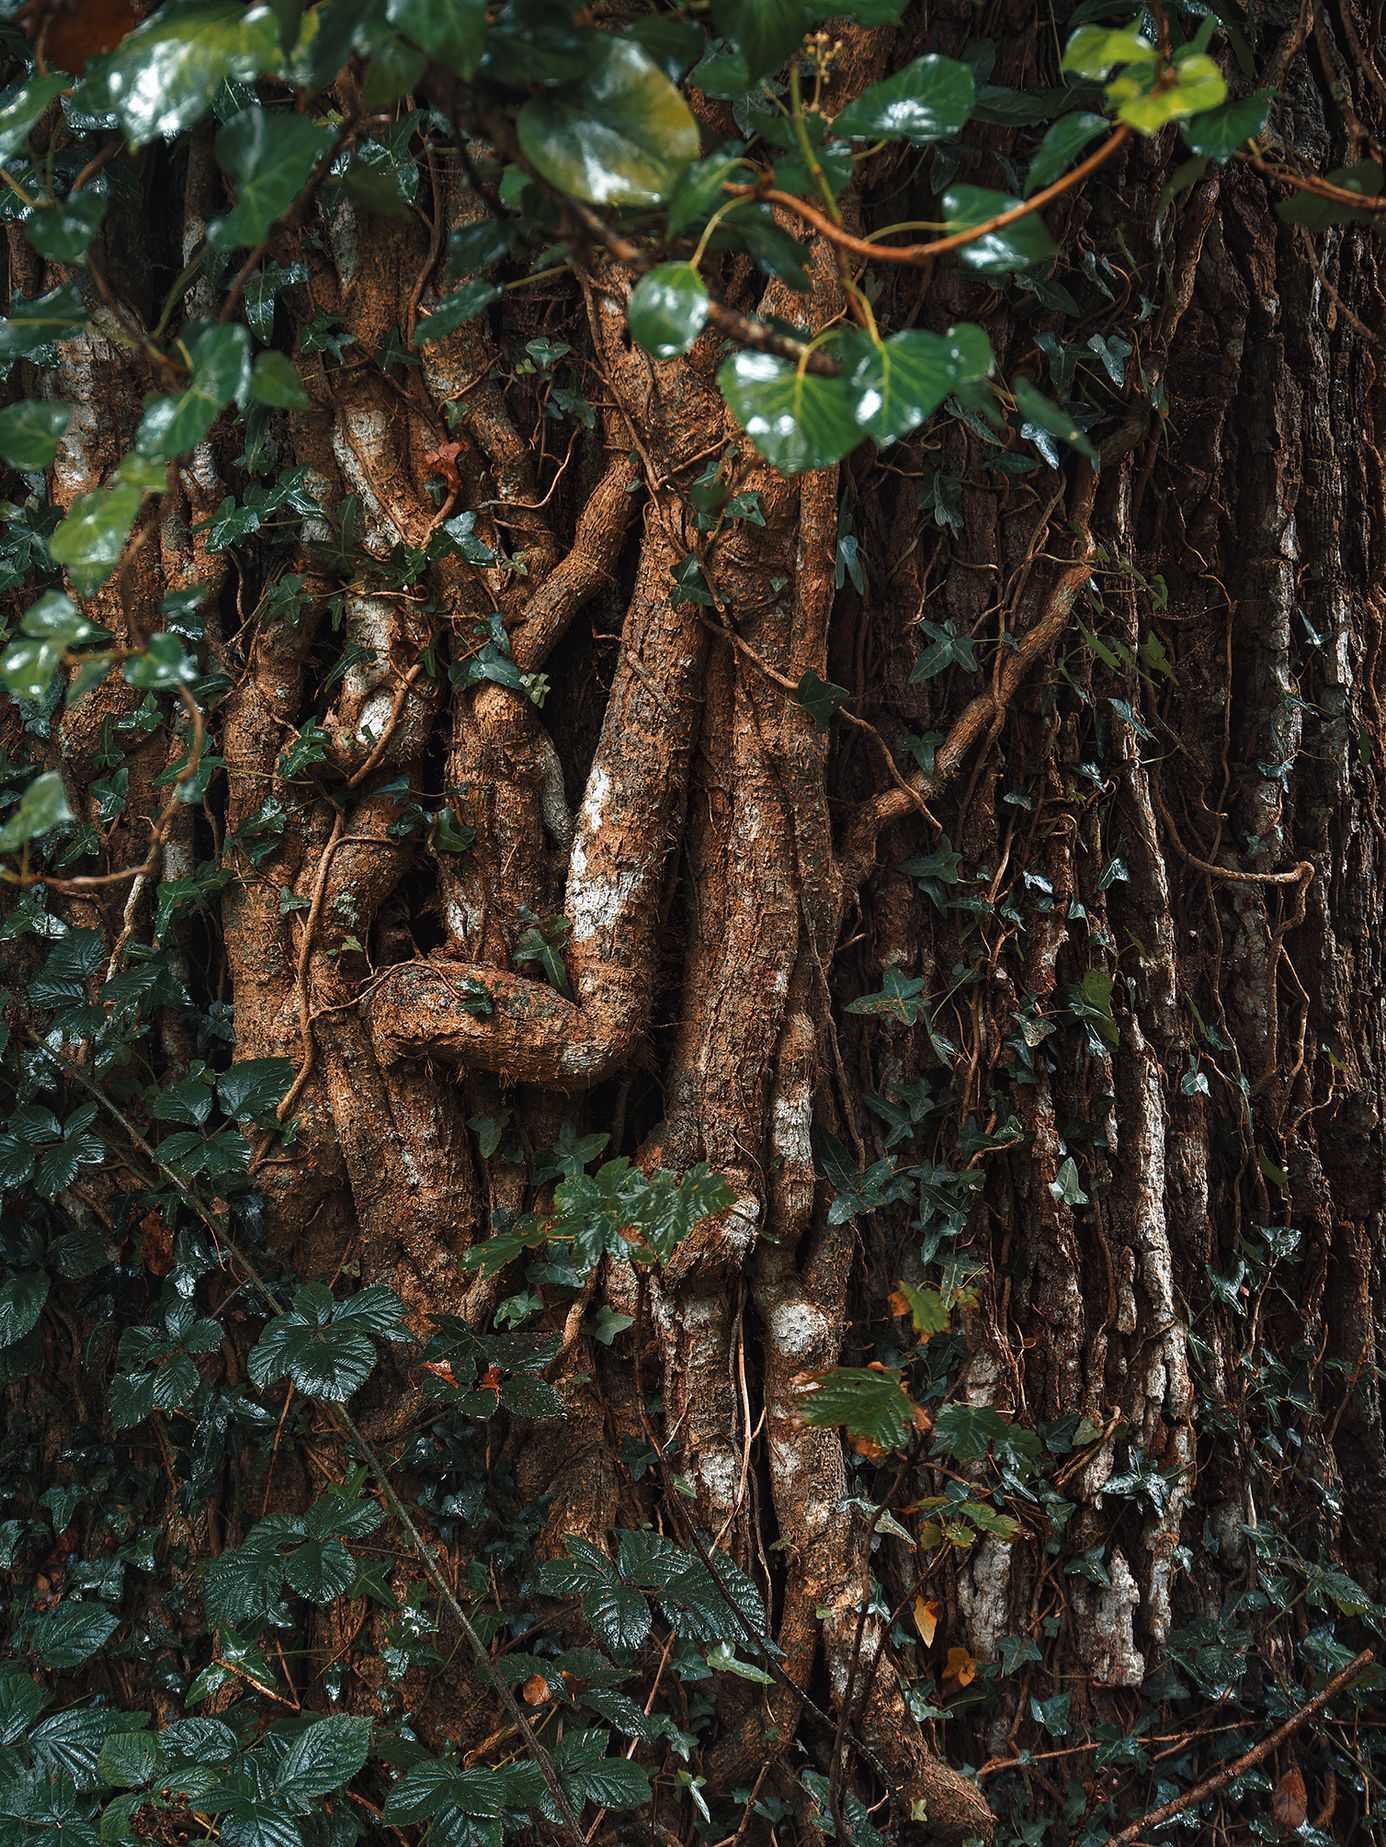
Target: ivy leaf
[(927, 101), (162, 663), (325, 1756), (868, 1401), (1039, 413), (270, 154), (764, 32), (452, 32), (274, 381), (449, 314), (219, 361), (820, 697), (1063, 141), (1216, 134), (90, 541), (797, 419), (30, 431), (27, 102), (164, 74), (21, 1303), (39, 320), (1317, 214), (1095, 50), (668, 309), (42, 806), (1146, 106), (901, 381), (617, 138), (998, 253), (62, 229)]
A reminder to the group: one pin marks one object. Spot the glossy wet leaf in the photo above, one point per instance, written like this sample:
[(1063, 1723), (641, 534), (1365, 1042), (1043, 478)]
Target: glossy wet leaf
[(163, 76), (668, 309), (452, 32), (865, 1401), (797, 419), (927, 101), (22, 108), (900, 381), (89, 542), (617, 138), (41, 806), (21, 1303), (269, 154), (39, 320), (30, 432), (1017, 245), (62, 229), (326, 1754), (219, 362), (1043, 414)]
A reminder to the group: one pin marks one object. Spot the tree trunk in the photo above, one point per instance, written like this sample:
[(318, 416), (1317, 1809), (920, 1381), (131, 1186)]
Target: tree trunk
[(1048, 979)]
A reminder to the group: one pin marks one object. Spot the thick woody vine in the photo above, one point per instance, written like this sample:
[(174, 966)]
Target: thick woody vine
[(434, 859)]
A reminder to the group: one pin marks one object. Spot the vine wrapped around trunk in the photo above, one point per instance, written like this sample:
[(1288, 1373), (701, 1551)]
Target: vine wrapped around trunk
[(694, 794)]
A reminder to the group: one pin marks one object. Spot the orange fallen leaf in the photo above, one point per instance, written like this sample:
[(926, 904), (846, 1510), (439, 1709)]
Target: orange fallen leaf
[(961, 1666), (535, 1691), (926, 1620)]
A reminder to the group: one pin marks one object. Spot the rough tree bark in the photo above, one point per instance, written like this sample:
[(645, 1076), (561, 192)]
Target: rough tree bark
[(1167, 774)]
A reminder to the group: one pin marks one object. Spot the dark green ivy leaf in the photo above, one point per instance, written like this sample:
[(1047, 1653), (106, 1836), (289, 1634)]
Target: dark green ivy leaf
[(270, 154), (1013, 246), (797, 419), (452, 32), (668, 309), (927, 101), (617, 138), (30, 432), (164, 74), (38, 320)]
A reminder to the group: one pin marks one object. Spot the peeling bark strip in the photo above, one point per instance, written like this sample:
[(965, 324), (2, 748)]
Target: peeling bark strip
[(1042, 984)]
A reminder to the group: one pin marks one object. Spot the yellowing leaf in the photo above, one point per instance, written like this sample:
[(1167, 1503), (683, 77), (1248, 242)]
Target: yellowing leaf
[(926, 1620)]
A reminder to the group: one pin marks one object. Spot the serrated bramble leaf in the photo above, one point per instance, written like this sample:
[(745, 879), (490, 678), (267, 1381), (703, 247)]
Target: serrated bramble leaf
[(326, 1755)]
